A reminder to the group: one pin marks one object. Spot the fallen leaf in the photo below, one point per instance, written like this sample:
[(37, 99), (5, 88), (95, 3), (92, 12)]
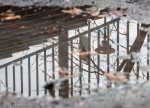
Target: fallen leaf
[(11, 18), (73, 12), (9, 15)]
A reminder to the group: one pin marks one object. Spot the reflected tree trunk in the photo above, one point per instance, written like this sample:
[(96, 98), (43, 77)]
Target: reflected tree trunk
[(63, 62), (137, 44)]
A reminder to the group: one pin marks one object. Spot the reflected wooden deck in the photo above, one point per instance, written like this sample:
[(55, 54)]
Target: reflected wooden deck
[(36, 25)]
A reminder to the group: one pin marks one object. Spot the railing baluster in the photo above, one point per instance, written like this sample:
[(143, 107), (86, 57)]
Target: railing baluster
[(138, 34), (98, 57), (45, 69), (29, 77), (37, 75), (6, 78), (148, 49), (53, 62), (128, 28), (53, 65), (14, 79), (108, 55), (71, 68), (118, 45), (21, 77), (80, 70)]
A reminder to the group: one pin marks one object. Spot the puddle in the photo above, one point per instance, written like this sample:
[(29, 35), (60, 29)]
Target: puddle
[(85, 46)]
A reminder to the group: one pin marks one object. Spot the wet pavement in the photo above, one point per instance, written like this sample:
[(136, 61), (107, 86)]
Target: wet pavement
[(135, 9), (124, 96), (138, 94)]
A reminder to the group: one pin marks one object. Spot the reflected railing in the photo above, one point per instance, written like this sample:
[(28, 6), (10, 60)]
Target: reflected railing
[(27, 75)]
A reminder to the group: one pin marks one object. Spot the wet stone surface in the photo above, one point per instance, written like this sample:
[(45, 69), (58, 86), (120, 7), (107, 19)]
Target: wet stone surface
[(131, 9), (124, 96)]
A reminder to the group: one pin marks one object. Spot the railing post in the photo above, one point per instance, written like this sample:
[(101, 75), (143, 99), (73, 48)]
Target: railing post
[(89, 61), (63, 62)]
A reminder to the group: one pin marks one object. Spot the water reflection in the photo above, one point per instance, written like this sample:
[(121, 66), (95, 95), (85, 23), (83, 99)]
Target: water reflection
[(87, 54)]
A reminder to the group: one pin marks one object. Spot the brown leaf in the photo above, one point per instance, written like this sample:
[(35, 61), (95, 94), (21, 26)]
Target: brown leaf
[(73, 12), (9, 15)]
